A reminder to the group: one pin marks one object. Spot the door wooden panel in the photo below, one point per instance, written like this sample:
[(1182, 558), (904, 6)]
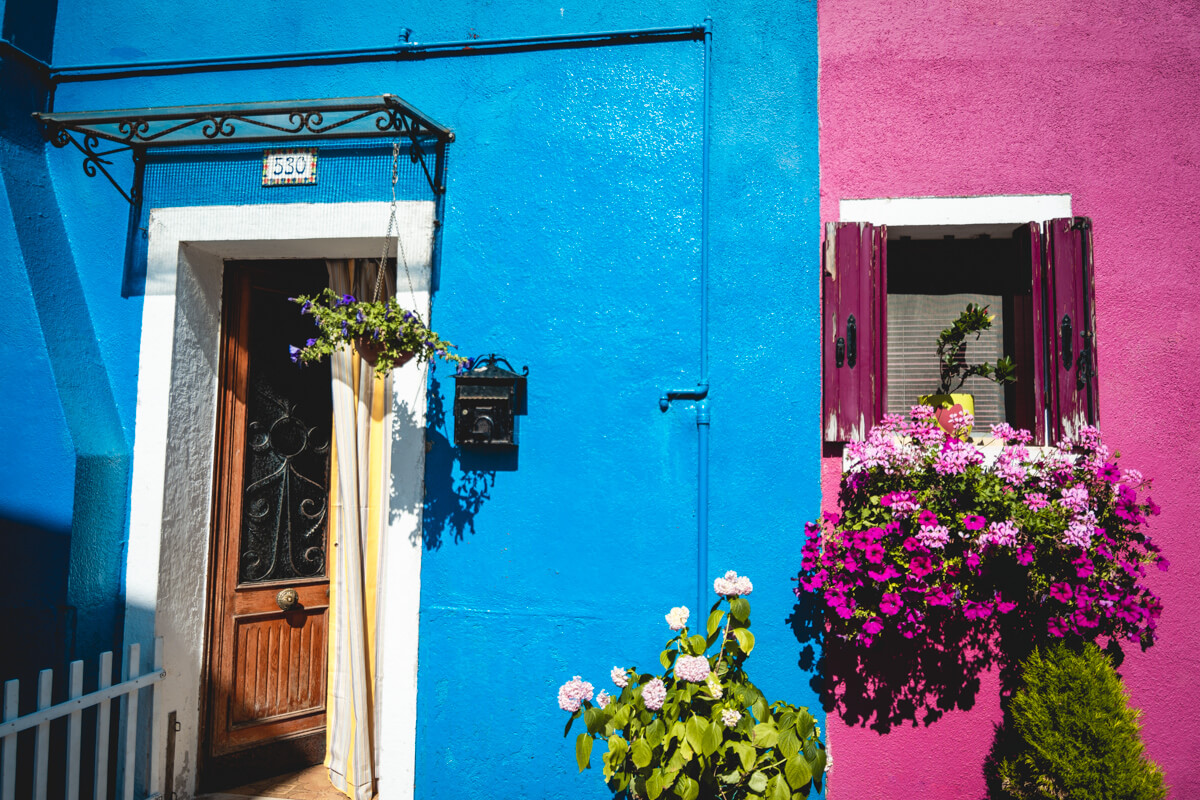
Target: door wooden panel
[(266, 666)]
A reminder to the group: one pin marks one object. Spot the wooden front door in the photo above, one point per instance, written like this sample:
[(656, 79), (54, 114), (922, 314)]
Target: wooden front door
[(269, 592)]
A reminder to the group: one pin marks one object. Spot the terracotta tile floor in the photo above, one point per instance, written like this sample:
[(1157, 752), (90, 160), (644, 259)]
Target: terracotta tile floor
[(307, 784)]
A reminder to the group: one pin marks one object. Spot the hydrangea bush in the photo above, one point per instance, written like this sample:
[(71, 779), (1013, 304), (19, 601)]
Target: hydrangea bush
[(385, 333), (929, 525), (701, 729)]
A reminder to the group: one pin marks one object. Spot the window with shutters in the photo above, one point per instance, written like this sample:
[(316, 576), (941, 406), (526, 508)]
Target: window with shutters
[(887, 293)]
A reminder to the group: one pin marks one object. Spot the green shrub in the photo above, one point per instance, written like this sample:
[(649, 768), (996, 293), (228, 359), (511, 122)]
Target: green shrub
[(1076, 736)]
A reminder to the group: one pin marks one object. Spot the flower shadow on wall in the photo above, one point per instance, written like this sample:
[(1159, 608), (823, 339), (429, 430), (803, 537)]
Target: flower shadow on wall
[(909, 681), (457, 484)]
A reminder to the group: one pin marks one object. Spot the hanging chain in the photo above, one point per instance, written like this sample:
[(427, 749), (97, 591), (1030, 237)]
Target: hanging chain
[(387, 238)]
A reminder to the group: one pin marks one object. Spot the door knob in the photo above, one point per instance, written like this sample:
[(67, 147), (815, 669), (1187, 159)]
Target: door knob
[(287, 599)]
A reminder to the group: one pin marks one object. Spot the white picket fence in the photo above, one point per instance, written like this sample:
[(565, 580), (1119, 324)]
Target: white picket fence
[(127, 691)]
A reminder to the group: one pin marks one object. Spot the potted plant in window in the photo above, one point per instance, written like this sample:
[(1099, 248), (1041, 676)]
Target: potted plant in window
[(954, 368)]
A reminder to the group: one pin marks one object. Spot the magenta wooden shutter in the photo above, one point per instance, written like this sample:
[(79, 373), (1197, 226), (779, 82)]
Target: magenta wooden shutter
[(1030, 339), (1071, 326), (854, 334)]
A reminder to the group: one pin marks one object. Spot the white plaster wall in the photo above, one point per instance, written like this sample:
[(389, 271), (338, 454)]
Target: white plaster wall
[(174, 445)]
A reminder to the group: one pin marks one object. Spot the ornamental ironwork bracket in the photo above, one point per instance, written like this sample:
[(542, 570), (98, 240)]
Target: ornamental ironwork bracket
[(140, 129)]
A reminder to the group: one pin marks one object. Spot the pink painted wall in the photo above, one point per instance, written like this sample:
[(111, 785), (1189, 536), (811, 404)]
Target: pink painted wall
[(1100, 100)]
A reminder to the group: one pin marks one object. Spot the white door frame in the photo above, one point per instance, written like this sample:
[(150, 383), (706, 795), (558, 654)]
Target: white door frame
[(174, 444)]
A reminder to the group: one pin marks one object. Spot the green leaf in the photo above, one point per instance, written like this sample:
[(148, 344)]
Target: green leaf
[(786, 720), (665, 657), (818, 769), (740, 608), (686, 788), (592, 719), (759, 709), (746, 754), (583, 751), (570, 722), (758, 781), (714, 621), (797, 771), (711, 740), (654, 785), (765, 735), (698, 644), (779, 789), (731, 778), (654, 733), (789, 743), (804, 724), (695, 733), (642, 753), (617, 747), (745, 639)]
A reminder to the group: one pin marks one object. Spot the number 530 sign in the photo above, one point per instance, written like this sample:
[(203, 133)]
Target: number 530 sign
[(289, 167)]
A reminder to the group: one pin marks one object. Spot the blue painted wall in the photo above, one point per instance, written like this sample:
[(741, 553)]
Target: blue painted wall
[(571, 244)]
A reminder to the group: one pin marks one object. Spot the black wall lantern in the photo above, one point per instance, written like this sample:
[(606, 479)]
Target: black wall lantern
[(487, 400)]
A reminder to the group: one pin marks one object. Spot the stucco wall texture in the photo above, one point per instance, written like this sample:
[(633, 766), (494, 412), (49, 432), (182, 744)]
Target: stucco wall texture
[(1098, 100)]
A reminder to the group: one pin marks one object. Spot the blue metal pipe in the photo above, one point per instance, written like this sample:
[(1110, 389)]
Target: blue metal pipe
[(703, 416), (399, 51)]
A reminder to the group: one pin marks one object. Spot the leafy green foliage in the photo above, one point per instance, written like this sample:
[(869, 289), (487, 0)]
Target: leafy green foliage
[(1076, 735), (951, 344), (381, 330), (712, 738)]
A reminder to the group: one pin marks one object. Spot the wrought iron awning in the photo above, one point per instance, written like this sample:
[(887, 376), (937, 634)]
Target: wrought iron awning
[(138, 129)]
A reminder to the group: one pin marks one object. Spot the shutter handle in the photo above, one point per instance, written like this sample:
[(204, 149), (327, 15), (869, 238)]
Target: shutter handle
[(839, 352), (1064, 335), (851, 341)]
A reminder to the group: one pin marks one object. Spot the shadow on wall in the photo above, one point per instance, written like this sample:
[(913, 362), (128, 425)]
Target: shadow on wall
[(898, 681), (457, 482)]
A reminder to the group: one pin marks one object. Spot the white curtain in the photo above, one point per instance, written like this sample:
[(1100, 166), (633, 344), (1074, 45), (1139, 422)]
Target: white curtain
[(362, 421)]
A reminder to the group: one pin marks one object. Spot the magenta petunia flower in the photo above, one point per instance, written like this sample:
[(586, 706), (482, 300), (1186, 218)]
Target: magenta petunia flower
[(886, 574), (1057, 627), (920, 566), (974, 522), (927, 517), (872, 626), (939, 596), (1061, 591), (977, 610), (972, 560), (891, 603), (875, 553), (1025, 555)]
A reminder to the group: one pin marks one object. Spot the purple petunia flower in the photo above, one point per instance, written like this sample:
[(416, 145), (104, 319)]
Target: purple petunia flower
[(294, 353), (344, 300), (310, 342)]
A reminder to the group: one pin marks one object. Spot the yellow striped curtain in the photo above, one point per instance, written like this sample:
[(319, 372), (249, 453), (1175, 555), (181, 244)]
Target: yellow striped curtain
[(362, 418)]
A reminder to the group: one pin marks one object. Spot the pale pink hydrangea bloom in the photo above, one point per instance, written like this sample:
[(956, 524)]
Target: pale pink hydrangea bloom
[(678, 618), (653, 694), (619, 677), (730, 717), (603, 699), (572, 693), (693, 669), (732, 586), (933, 536)]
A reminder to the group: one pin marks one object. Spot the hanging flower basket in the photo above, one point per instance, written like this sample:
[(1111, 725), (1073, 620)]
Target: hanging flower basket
[(384, 334)]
